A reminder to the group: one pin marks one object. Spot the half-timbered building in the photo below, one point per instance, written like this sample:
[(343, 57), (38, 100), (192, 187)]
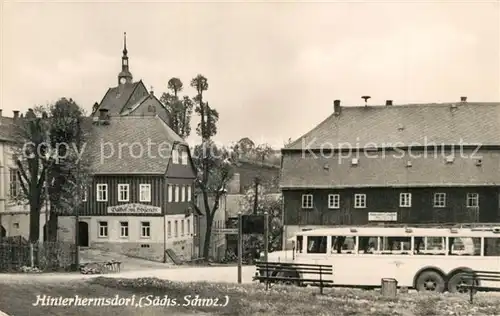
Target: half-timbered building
[(138, 201), (423, 163)]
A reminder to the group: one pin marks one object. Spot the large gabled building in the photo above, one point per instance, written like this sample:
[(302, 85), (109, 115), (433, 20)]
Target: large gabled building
[(417, 163), (138, 201)]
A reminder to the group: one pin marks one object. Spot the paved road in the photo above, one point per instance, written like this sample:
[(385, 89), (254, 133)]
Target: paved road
[(180, 274)]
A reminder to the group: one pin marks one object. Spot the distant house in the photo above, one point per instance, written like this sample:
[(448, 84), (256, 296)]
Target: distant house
[(422, 163)]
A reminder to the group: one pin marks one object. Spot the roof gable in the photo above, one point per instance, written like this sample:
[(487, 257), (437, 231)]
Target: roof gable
[(118, 99)]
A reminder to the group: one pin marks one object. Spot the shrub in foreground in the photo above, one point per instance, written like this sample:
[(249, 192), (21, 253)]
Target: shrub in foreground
[(253, 299)]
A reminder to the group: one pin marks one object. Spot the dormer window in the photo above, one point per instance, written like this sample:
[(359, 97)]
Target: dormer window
[(354, 161), (450, 159)]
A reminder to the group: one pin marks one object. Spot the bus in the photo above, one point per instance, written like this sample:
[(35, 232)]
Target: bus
[(422, 258)]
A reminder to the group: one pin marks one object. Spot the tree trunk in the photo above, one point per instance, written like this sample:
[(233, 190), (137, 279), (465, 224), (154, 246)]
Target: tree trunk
[(34, 223), (53, 226), (208, 235)]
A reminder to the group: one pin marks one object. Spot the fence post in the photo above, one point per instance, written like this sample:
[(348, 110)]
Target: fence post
[(320, 281), (267, 276), (32, 256)]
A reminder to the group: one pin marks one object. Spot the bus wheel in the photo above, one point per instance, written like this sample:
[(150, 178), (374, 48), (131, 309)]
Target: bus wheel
[(287, 274), (459, 283), (430, 281)]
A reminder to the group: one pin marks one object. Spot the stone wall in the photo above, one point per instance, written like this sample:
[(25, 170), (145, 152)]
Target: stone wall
[(151, 251)]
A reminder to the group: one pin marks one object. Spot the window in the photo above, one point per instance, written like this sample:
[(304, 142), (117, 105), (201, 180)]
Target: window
[(145, 229), (472, 200), (189, 193), (103, 229), (170, 193), (16, 225), (182, 227), (465, 246), (369, 245), (359, 200), (14, 183), (176, 193), (316, 244), (176, 229), (430, 245), (183, 193), (333, 201), (189, 227), (184, 157), (175, 156), (123, 229), (123, 192), (439, 199), (405, 200), (84, 194), (145, 193), (399, 245), (343, 244), (195, 227), (169, 229), (102, 192), (307, 201), (492, 247)]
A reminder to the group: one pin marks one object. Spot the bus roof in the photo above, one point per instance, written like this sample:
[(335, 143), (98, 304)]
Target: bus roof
[(402, 231)]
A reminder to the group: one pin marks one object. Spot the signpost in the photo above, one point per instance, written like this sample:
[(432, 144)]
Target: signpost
[(249, 224), (240, 246)]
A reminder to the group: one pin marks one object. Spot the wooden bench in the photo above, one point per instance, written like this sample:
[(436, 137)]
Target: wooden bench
[(476, 277), (291, 273)]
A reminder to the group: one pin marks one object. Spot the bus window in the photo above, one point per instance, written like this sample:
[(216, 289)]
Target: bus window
[(343, 244), (464, 246), (492, 247), (299, 244), (396, 245), (316, 244), (430, 246), (368, 245)]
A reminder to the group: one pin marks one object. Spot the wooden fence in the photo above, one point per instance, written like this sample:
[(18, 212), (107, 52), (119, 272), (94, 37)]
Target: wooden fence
[(46, 256)]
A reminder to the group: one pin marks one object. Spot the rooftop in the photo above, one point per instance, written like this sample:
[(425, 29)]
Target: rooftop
[(131, 144)]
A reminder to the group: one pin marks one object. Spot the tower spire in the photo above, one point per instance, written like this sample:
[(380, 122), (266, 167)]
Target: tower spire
[(124, 43), (125, 76)]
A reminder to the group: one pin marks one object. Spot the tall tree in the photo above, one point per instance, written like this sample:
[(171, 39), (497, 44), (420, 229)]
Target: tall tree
[(31, 156), (69, 175), (46, 155), (213, 163), (180, 109)]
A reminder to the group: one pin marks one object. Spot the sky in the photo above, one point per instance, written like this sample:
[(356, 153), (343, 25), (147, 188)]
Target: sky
[(273, 68)]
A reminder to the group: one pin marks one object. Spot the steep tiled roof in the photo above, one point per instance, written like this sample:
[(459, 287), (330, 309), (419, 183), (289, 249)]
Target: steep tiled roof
[(132, 133), (397, 126), (116, 100), (403, 124)]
